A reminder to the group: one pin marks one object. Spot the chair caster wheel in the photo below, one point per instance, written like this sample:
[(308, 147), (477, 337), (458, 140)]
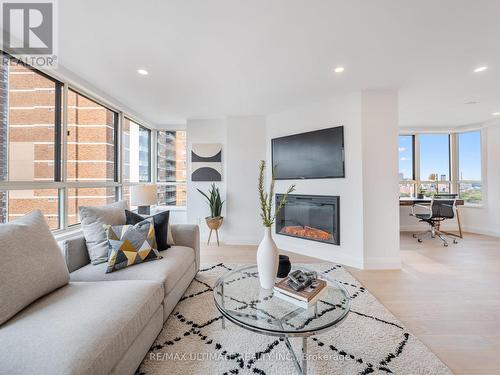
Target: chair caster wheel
[(414, 235), (455, 242), (419, 240), (445, 245)]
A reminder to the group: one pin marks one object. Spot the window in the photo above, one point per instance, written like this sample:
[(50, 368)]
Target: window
[(16, 203), (171, 168), (30, 128), (446, 163), (34, 144), (88, 197), (435, 163), (469, 166), (136, 152), (91, 139), (406, 171)]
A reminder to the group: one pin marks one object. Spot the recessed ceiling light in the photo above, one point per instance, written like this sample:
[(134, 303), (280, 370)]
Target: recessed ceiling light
[(496, 113), (339, 69), (480, 69), (142, 72)]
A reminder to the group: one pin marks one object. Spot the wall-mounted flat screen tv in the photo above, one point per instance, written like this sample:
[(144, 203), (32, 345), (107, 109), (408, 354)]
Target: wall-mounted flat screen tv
[(315, 154)]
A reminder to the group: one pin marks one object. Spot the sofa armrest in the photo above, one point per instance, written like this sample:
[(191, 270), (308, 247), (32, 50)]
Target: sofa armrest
[(188, 235), (75, 252)]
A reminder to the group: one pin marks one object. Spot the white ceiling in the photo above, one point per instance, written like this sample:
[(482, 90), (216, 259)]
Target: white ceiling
[(215, 58)]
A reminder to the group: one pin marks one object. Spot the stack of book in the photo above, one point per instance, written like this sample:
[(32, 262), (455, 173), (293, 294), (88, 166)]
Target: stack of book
[(303, 298)]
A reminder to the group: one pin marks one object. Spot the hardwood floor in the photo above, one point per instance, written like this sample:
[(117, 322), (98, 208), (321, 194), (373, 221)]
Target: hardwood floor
[(448, 297)]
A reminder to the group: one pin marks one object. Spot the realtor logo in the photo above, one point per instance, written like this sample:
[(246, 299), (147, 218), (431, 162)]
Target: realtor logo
[(28, 31)]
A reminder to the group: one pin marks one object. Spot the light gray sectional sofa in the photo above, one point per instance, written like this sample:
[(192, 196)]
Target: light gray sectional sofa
[(97, 323)]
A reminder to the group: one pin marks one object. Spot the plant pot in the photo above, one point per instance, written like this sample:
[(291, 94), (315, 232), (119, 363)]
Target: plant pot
[(214, 223), (420, 196), (267, 260)]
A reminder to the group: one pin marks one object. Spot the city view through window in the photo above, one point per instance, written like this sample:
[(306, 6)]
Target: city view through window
[(433, 155), (171, 169)]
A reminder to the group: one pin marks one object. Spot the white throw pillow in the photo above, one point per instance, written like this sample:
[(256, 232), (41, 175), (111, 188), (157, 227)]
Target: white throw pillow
[(93, 220), (31, 263)]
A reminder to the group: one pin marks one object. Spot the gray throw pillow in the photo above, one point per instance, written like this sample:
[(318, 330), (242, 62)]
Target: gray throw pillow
[(93, 220), (31, 263)]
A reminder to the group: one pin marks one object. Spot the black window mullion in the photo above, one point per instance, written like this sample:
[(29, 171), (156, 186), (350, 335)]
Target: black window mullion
[(115, 142), (58, 133)]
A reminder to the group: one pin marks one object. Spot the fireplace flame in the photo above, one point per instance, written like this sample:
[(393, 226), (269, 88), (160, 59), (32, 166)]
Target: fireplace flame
[(307, 232)]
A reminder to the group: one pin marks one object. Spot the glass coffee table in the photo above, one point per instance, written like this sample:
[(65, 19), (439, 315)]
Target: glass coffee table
[(241, 300)]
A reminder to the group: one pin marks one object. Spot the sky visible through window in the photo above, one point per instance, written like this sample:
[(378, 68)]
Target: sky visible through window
[(434, 157), (406, 157), (469, 155)]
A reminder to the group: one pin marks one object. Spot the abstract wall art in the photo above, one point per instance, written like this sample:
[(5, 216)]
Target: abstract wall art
[(206, 162)]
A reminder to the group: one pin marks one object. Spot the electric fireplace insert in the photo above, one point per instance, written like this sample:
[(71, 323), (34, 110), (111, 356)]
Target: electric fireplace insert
[(310, 217)]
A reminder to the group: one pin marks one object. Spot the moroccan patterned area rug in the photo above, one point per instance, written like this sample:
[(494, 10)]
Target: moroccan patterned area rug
[(370, 341)]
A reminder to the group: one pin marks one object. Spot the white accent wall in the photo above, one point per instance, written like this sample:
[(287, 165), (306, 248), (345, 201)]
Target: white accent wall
[(204, 131), (337, 111), (243, 145)]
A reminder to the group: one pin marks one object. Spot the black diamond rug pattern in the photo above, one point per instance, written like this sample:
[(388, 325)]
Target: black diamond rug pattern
[(370, 341)]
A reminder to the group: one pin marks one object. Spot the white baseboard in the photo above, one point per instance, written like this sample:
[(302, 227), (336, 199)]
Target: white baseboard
[(249, 241)]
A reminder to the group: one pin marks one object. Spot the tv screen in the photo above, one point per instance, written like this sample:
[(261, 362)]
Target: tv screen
[(316, 154)]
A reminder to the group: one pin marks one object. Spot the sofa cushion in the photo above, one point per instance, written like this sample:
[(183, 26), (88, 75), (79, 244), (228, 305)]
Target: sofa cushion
[(75, 252), (82, 328), (131, 244), (31, 263), (168, 270), (161, 226), (93, 218)]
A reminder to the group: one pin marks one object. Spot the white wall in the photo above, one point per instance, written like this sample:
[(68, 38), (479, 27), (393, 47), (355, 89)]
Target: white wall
[(346, 111), (246, 145), (204, 131), (243, 145), (379, 119)]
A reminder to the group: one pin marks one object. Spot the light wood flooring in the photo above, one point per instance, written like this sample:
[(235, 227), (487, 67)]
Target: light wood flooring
[(448, 297)]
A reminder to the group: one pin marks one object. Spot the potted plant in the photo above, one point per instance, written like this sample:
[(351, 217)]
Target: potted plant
[(214, 221), (420, 192), (267, 253)]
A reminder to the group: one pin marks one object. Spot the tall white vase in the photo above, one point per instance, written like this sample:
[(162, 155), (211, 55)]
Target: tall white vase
[(267, 260)]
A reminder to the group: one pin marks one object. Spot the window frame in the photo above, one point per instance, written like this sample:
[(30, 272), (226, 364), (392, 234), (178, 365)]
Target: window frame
[(56, 183), (453, 181), (61, 150)]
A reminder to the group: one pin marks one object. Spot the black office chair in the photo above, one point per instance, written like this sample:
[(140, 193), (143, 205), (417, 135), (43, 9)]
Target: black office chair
[(440, 209)]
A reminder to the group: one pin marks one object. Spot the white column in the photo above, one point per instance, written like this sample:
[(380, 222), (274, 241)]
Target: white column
[(379, 118)]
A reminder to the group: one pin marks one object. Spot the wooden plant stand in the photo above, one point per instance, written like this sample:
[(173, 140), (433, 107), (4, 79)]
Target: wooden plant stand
[(214, 223)]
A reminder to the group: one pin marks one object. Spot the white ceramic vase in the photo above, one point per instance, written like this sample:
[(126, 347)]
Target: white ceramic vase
[(267, 260)]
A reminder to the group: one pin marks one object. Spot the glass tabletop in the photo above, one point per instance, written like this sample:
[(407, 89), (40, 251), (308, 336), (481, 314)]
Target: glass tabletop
[(239, 298)]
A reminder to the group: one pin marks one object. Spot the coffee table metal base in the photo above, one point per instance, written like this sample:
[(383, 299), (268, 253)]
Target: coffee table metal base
[(301, 367)]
